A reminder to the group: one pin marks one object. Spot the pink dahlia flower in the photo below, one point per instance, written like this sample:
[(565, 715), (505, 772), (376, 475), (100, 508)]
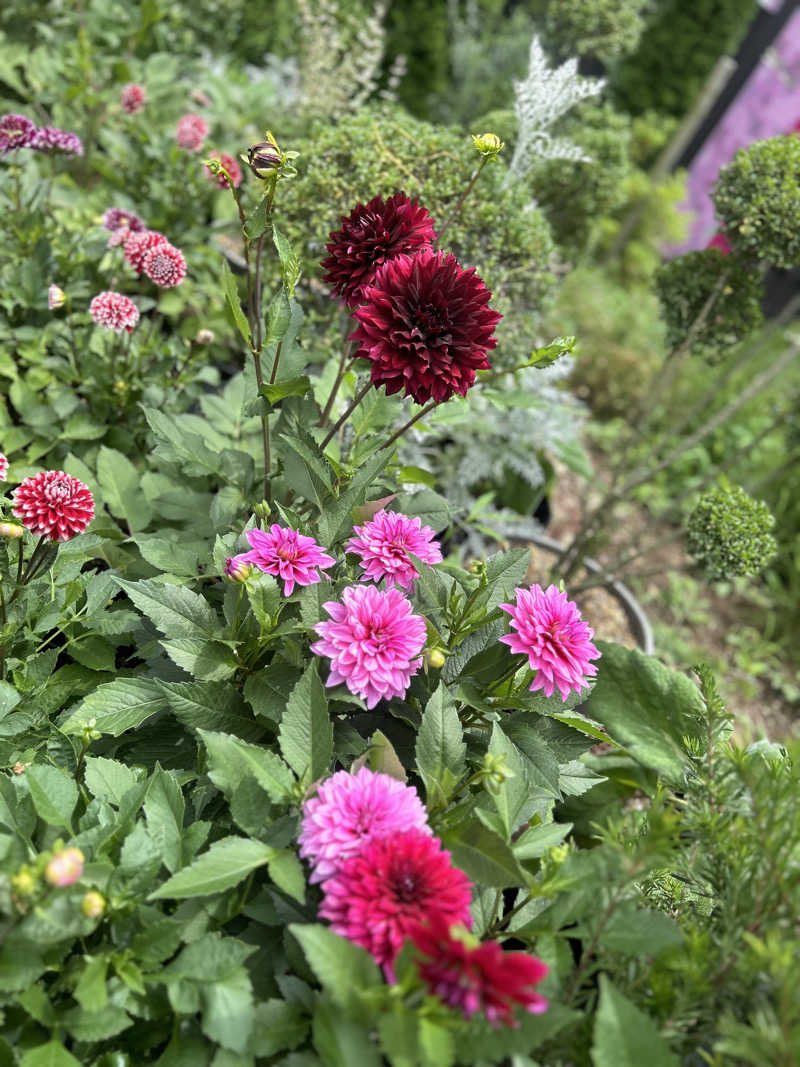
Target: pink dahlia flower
[(386, 543), (116, 218), (54, 505), (426, 326), (350, 809), (65, 868), (165, 265), (371, 235), (132, 98), (554, 637), (721, 243), (231, 166), (286, 554), (15, 132), (373, 642), (481, 978), (139, 243), (56, 297), (51, 139), (3, 468), (391, 886), (191, 132), (114, 311)]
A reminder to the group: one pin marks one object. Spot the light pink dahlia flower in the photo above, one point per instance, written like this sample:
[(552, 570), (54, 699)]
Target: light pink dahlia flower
[(65, 868), (191, 132), (132, 98), (165, 265), (386, 543), (54, 505), (373, 641), (381, 894), (350, 809), (114, 311), (286, 554), (554, 637)]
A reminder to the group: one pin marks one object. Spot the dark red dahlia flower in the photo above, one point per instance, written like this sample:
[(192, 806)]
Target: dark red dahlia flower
[(426, 325), (370, 236), (473, 978)]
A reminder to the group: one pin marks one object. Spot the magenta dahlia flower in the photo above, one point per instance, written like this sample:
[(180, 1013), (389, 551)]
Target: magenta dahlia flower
[(286, 554), (3, 468), (478, 978), (51, 139), (386, 543), (54, 505), (139, 243), (164, 265), (116, 218), (391, 886), (192, 130), (350, 809), (114, 311), (15, 132), (373, 642), (371, 235), (721, 243), (426, 326), (132, 98), (554, 637), (231, 166)]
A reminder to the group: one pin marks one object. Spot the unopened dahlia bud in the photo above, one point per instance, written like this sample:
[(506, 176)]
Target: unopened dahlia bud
[(23, 882), (205, 337), (93, 904), (495, 771), (19, 767), (488, 144), (262, 511), (65, 868), (434, 657), (237, 569), (264, 158), (11, 530), (55, 297)]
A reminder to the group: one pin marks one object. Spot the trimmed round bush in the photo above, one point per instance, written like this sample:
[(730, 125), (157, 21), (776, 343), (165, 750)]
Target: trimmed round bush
[(604, 29), (728, 533)]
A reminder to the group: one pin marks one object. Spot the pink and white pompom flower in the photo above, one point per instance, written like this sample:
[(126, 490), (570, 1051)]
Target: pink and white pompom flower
[(3, 468), (54, 505), (114, 311), (191, 131), (386, 544), (373, 641), (350, 809), (554, 637), (164, 264), (286, 554)]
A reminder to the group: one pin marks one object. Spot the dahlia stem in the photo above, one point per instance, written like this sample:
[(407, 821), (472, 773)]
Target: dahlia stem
[(326, 411), (456, 210), (35, 557), (19, 561), (414, 418), (275, 363), (351, 407)]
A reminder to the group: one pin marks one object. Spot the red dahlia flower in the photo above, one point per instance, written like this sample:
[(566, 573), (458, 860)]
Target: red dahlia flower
[(231, 165), (473, 978), (54, 505), (426, 326), (132, 98), (371, 235)]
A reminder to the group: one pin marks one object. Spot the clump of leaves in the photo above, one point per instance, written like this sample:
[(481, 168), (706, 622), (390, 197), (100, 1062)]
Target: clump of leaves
[(728, 533)]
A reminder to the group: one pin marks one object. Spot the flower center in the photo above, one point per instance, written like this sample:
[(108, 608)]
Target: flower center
[(287, 553), (406, 884), (58, 492)]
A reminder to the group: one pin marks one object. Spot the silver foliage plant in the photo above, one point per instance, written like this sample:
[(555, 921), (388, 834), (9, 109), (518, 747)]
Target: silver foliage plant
[(545, 95)]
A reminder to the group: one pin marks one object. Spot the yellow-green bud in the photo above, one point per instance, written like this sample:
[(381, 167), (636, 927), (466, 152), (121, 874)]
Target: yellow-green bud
[(434, 657), (23, 882), (495, 771), (11, 530), (93, 904), (488, 144), (262, 511)]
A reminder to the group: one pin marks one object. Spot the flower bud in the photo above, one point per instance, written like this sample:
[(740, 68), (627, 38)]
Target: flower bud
[(24, 882), (262, 511), (65, 868), (93, 904), (12, 530), (488, 144), (434, 657), (55, 297), (237, 569), (205, 337), (19, 767), (263, 158), (495, 771)]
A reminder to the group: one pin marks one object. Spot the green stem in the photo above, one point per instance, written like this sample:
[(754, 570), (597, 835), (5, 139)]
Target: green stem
[(326, 411), (455, 212), (351, 407), (407, 426)]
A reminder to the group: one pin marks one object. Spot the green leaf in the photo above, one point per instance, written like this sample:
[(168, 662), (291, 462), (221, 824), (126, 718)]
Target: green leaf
[(341, 1042), (230, 759), (427, 505), (640, 931), (436, 1045), (265, 597), (210, 706), (91, 992), (256, 222), (232, 296), (337, 516), (537, 840), (279, 316), (286, 872), (174, 609), (484, 856), (624, 1036), (306, 730), (278, 1026), (53, 1054), (9, 698), (280, 390), (342, 967), (178, 444), (228, 1013), (440, 749), (290, 263), (164, 811), (180, 557), (646, 707), (120, 483), (107, 779), (546, 356), (117, 706), (208, 661), (227, 862), (512, 798), (54, 794), (397, 1032)]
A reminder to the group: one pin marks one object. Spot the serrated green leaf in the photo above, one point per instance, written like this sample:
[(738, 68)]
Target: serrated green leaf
[(278, 319), (640, 932), (229, 759), (280, 390), (226, 863), (624, 1036), (108, 779), (117, 706), (174, 609), (484, 856), (440, 748), (232, 297), (286, 872), (538, 840), (54, 794), (342, 967), (257, 221), (207, 661), (164, 811), (341, 1042), (120, 483), (228, 1013), (53, 1054), (306, 730), (91, 992)]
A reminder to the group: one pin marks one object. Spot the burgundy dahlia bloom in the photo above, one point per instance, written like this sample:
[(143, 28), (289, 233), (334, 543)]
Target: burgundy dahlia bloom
[(286, 554), (114, 311), (373, 642), (371, 235), (554, 637), (165, 265), (386, 544), (3, 468), (426, 325), (51, 139), (350, 809), (391, 886), (192, 130), (139, 243), (117, 218), (53, 504), (478, 978), (231, 166), (132, 98), (15, 132)]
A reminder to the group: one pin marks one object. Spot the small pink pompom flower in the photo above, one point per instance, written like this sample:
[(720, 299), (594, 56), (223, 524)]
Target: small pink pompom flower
[(54, 505), (65, 868), (139, 243), (386, 543), (16, 131), (56, 297), (51, 139), (373, 642), (114, 311), (132, 98), (3, 468), (554, 637), (285, 554), (391, 886), (231, 166), (350, 809), (165, 265), (191, 132)]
